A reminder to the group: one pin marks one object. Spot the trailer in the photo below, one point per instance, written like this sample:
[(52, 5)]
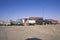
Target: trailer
[(1, 22), (7, 23)]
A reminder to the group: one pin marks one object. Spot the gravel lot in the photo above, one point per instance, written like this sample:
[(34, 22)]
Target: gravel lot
[(42, 32)]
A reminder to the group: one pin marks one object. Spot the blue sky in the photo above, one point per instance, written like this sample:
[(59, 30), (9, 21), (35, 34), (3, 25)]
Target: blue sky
[(15, 9)]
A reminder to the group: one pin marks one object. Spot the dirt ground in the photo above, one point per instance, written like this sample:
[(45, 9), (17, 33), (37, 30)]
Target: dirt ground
[(42, 32)]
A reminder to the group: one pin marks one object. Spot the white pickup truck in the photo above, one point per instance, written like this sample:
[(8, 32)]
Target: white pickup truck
[(31, 22)]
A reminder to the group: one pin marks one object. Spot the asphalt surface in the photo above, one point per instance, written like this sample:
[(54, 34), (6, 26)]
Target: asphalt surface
[(41, 32)]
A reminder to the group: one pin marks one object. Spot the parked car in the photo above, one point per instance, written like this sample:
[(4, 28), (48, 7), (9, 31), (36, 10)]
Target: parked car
[(19, 22), (54, 21), (50, 21), (47, 21), (39, 21)]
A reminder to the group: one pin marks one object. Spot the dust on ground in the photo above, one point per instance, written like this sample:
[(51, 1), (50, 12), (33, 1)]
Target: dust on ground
[(43, 32)]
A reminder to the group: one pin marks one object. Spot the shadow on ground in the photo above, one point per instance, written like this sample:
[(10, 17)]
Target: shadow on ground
[(33, 39)]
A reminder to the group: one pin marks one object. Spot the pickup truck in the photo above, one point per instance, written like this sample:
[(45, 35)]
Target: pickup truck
[(31, 22)]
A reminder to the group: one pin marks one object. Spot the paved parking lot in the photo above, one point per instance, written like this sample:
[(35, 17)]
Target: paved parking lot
[(42, 32)]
